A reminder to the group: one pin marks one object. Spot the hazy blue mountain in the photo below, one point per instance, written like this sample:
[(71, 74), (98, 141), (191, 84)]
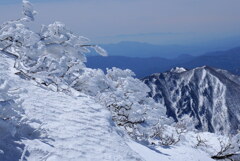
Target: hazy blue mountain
[(139, 49), (207, 97), (228, 60), (141, 66)]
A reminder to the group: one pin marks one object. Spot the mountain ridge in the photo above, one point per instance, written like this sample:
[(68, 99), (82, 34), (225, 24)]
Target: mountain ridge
[(200, 94)]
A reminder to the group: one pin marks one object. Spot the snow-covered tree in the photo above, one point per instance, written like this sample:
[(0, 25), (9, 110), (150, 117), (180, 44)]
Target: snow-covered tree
[(127, 100), (54, 56), (92, 82), (28, 12)]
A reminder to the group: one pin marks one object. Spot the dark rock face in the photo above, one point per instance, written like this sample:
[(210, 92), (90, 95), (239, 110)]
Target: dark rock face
[(207, 97)]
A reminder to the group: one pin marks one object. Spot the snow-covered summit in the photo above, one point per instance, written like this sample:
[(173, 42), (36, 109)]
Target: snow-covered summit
[(178, 70)]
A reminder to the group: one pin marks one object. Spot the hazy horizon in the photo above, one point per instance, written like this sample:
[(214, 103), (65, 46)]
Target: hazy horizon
[(163, 22)]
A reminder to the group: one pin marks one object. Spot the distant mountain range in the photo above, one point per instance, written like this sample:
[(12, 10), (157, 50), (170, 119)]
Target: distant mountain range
[(228, 60), (138, 49), (206, 97), (170, 51)]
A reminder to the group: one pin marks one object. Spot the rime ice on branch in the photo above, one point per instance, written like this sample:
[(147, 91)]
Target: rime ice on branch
[(54, 56)]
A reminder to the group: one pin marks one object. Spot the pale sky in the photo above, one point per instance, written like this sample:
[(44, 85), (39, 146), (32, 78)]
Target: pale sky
[(153, 21)]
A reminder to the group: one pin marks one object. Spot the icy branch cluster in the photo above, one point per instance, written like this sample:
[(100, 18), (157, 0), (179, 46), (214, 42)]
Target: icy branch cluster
[(54, 56)]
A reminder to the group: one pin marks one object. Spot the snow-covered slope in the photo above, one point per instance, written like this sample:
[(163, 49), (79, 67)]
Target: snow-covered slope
[(208, 97), (77, 127), (70, 128)]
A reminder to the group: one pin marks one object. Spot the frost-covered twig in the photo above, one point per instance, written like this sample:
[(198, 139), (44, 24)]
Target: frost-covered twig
[(24, 153), (200, 141)]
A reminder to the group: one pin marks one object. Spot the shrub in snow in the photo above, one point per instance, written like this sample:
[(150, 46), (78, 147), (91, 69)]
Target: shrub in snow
[(92, 82), (126, 97), (229, 148), (164, 135), (219, 147)]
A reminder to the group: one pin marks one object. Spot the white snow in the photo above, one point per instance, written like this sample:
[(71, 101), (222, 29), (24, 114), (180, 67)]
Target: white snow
[(73, 129), (176, 153), (178, 70)]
